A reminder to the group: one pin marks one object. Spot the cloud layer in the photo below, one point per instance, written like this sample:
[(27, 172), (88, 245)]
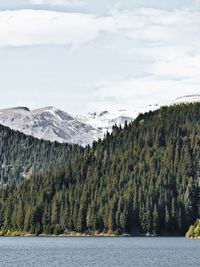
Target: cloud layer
[(32, 27), (57, 2), (134, 93), (162, 48)]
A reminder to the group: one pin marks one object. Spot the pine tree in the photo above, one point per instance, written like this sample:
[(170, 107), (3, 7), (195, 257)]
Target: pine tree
[(156, 227)]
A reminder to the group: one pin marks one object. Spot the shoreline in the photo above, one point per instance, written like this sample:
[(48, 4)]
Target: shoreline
[(74, 234), (195, 237)]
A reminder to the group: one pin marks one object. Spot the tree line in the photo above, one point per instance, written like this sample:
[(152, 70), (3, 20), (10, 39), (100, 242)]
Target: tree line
[(25, 156), (142, 178)]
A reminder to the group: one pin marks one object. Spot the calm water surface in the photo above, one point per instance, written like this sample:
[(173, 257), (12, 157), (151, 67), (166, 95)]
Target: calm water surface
[(91, 251)]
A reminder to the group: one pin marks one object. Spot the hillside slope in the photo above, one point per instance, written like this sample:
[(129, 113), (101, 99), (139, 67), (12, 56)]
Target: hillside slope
[(143, 178), (23, 156)]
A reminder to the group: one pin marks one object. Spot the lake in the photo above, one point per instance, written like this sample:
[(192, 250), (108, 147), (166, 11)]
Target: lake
[(99, 251)]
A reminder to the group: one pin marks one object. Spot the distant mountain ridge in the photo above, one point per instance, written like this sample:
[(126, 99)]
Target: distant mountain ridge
[(187, 99), (105, 120), (50, 123), (53, 124)]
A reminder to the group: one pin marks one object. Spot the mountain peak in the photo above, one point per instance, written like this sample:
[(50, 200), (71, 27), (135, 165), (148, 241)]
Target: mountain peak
[(48, 108), (20, 108), (187, 99), (53, 124)]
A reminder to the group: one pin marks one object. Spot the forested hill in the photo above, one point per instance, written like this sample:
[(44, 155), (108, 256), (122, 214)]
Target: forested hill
[(22, 156), (143, 178)]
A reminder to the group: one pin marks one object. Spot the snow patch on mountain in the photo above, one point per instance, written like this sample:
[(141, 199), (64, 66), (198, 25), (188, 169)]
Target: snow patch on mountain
[(105, 120), (53, 124), (49, 123), (187, 99)]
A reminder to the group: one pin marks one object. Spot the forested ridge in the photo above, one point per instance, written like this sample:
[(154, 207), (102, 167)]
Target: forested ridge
[(143, 178), (23, 156)]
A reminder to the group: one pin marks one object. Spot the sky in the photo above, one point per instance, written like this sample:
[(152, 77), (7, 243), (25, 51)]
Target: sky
[(92, 55)]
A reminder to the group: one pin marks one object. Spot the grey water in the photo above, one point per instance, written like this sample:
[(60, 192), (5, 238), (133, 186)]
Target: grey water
[(99, 251)]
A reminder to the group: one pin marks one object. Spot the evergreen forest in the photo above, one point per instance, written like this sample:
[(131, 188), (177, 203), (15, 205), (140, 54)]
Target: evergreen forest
[(143, 178)]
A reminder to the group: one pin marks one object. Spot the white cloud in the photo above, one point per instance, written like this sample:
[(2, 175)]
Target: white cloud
[(173, 61), (149, 25), (138, 92), (165, 43), (30, 27), (36, 27), (57, 2)]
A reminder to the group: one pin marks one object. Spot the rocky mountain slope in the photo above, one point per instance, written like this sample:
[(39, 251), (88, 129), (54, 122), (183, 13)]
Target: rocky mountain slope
[(49, 123), (53, 124), (105, 120)]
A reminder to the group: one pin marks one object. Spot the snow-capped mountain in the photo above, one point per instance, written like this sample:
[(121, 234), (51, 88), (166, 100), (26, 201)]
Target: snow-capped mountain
[(49, 123), (187, 99), (54, 124), (105, 120)]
